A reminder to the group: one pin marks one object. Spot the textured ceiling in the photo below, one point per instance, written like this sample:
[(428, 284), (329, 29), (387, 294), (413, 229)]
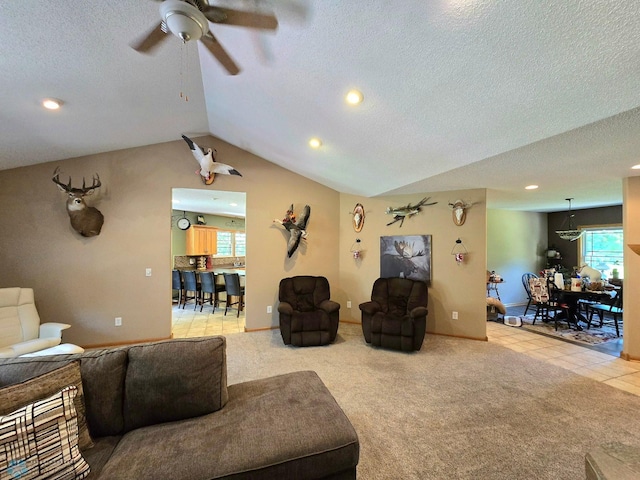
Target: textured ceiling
[(458, 93)]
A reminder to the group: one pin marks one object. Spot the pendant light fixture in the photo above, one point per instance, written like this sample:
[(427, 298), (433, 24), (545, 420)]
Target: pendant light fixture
[(571, 234)]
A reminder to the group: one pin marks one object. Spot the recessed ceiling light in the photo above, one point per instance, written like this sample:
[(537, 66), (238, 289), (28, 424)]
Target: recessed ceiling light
[(315, 143), (636, 167), (354, 97), (233, 204), (531, 187), (51, 103)]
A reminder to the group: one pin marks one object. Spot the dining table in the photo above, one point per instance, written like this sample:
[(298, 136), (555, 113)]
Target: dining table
[(572, 298)]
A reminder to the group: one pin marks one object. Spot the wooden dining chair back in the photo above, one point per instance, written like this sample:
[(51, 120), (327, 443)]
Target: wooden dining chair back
[(612, 308), (176, 284), (234, 291), (544, 301), (527, 288), (191, 291)]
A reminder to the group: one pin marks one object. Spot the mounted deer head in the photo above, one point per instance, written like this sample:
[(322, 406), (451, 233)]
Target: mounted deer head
[(85, 220)]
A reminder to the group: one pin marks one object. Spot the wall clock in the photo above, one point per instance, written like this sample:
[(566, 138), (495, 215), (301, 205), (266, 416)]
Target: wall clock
[(183, 223)]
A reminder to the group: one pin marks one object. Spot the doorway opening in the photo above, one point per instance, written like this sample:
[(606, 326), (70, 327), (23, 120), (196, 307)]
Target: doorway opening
[(208, 235)]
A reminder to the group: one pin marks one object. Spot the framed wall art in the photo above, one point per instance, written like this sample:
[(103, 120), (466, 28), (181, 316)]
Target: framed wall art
[(406, 256)]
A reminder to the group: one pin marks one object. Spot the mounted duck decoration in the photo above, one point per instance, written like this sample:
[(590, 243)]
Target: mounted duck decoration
[(208, 166), (400, 213), (85, 220), (297, 228), (459, 211)]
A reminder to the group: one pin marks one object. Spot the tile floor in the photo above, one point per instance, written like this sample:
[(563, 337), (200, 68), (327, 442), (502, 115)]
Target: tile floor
[(600, 366), (189, 323)]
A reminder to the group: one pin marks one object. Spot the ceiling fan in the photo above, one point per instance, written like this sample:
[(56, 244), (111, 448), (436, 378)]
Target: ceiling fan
[(189, 21)]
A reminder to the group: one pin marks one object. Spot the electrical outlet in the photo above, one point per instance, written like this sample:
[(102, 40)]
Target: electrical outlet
[(269, 309), (148, 272), (118, 321), (348, 303), (454, 315)]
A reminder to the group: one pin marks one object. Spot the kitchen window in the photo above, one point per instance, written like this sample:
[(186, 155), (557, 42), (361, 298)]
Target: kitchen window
[(231, 243)]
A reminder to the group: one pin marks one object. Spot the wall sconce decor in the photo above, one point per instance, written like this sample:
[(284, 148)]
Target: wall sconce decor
[(460, 251), (356, 249)]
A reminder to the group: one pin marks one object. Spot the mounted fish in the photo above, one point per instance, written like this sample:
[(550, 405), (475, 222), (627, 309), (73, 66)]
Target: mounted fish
[(85, 220), (297, 229), (400, 213), (459, 211), (208, 166)]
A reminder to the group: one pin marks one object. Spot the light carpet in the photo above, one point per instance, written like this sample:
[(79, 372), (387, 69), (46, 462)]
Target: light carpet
[(593, 336), (458, 409)]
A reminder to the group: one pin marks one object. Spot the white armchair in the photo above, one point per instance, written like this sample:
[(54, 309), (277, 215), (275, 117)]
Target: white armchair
[(20, 330)]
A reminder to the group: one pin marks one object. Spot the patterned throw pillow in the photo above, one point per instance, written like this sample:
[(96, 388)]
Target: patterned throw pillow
[(40, 440), (20, 394)]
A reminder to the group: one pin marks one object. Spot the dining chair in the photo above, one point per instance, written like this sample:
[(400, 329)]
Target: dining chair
[(233, 289), (207, 286), (190, 285), (176, 284), (218, 282), (527, 288), (613, 308), (546, 298)]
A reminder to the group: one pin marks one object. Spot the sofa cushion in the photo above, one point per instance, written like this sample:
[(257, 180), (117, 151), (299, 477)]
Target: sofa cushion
[(19, 395), (102, 381), (175, 379), (40, 440), (283, 427)]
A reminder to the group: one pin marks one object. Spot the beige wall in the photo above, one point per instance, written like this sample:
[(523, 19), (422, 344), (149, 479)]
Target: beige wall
[(459, 288), (516, 243), (88, 282), (631, 301)]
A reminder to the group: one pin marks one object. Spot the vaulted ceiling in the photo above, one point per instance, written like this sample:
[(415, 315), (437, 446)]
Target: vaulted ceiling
[(457, 93)]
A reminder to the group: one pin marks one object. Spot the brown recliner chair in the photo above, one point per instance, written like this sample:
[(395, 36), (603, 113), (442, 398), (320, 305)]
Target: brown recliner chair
[(396, 316), (307, 316)]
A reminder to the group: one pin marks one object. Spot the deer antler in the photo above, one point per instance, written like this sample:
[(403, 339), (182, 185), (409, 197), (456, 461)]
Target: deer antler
[(95, 183), (56, 180)]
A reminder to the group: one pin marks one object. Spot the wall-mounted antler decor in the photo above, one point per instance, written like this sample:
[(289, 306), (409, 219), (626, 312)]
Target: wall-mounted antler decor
[(459, 211), (85, 220)]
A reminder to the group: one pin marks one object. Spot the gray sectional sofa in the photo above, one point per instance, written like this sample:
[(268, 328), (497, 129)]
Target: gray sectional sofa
[(163, 410)]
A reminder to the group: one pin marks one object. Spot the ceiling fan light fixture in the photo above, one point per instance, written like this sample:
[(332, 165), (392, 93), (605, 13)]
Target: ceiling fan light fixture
[(184, 20)]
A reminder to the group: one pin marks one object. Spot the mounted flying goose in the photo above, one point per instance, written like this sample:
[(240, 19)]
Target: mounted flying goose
[(208, 166)]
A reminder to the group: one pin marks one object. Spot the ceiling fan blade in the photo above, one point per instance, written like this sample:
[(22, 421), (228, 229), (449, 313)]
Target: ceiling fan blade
[(150, 41), (220, 53), (239, 18)]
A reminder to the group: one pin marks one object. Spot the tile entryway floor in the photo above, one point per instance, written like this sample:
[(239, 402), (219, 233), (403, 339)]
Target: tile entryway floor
[(189, 323)]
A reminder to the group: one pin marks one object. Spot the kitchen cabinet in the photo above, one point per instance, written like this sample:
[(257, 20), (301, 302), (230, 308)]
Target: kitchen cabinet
[(202, 240)]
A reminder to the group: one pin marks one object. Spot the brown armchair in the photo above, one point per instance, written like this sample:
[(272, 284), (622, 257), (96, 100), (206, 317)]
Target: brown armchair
[(396, 316), (307, 316)]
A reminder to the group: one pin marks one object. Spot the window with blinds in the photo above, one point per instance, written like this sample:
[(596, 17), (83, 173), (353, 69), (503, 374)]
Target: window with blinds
[(231, 244), (602, 249)]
